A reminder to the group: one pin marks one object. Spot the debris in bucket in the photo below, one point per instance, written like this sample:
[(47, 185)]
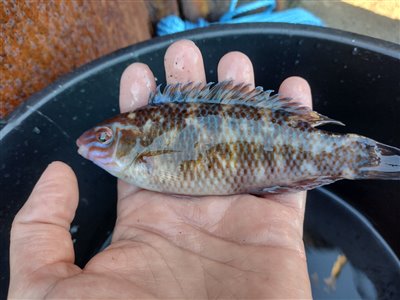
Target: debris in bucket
[(74, 229), (335, 272), (36, 130)]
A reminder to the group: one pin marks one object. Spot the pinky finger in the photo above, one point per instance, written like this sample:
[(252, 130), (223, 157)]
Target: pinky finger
[(298, 89)]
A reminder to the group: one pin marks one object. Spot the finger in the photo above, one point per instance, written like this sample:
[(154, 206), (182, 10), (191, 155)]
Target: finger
[(184, 63), (137, 82), (298, 89), (236, 66), (40, 232)]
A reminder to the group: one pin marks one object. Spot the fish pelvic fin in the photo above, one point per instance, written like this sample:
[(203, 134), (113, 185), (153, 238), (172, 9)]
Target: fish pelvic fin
[(383, 163), (228, 92)]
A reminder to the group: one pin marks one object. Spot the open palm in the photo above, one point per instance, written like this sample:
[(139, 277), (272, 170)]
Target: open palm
[(163, 246)]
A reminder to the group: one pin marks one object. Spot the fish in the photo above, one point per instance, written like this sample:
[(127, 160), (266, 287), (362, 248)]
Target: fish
[(226, 139)]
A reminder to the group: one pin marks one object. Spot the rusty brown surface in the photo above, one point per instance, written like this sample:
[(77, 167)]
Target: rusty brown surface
[(42, 40)]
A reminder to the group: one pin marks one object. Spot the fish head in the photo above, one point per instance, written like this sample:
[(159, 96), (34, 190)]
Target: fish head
[(98, 145), (118, 146)]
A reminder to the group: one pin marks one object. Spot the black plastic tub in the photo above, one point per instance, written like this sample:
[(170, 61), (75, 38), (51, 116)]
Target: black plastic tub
[(354, 79)]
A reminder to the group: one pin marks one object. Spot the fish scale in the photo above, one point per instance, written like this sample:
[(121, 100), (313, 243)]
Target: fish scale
[(228, 139)]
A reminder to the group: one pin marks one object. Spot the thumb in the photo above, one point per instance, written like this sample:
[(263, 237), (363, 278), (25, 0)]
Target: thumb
[(41, 249)]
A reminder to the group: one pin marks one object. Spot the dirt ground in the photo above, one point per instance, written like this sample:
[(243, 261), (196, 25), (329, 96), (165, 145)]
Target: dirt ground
[(360, 16)]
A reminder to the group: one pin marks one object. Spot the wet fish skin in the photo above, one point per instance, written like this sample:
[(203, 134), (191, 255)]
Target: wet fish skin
[(224, 140)]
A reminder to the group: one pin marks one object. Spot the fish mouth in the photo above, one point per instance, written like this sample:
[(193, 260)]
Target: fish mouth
[(82, 148), (79, 142)]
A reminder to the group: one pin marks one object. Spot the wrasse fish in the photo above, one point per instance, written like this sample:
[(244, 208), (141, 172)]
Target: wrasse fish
[(224, 139)]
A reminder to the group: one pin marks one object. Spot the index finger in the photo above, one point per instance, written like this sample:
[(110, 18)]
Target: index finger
[(137, 83)]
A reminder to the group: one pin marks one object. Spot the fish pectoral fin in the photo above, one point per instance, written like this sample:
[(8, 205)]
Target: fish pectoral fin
[(143, 156), (296, 186)]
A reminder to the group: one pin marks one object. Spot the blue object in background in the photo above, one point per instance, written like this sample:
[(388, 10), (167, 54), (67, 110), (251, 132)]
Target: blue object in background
[(172, 24)]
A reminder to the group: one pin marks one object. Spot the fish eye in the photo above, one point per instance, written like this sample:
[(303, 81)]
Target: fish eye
[(104, 135)]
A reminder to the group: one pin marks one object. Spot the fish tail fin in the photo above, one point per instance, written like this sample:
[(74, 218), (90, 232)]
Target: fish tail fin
[(383, 162)]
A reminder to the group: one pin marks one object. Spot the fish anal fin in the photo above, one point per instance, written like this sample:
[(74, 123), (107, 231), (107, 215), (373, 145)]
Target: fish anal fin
[(297, 186)]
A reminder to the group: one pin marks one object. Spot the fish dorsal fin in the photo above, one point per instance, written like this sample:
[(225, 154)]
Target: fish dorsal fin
[(224, 92), (227, 92)]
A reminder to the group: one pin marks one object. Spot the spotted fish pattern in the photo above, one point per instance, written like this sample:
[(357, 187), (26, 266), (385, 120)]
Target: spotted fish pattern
[(229, 139)]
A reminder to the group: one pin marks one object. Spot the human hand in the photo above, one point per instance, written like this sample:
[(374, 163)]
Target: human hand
[(238, 246)]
